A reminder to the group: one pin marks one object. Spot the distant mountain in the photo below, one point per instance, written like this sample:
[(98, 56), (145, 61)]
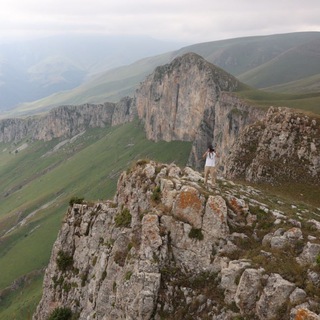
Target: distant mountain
[(35, 69), (261, 62)]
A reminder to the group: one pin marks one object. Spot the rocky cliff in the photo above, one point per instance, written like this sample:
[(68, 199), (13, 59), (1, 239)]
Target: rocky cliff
[(66, 121), (166, 247), (284, 145), (190, 99), (193, 100)]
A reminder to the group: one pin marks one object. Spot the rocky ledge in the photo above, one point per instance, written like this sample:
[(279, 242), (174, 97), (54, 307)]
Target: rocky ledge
[(169, 247)]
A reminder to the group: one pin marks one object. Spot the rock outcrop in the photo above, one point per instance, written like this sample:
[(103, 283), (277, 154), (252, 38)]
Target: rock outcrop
[(166, 247), (284, 145), (190, 99), (67, 121)]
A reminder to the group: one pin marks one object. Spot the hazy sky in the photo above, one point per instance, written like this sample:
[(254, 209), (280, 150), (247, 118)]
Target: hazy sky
[(179, 20)]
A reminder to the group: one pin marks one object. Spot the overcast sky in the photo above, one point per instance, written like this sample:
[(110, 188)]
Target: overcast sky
[(178, 20)]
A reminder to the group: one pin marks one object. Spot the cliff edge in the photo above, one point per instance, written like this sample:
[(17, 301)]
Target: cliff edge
[(167, 247)]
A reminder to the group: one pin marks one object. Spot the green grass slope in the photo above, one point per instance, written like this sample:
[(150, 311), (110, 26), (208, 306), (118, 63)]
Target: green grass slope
[(306, 85), (309, 102), (110, 86), (89, 167), (240, 55), (295, 64)]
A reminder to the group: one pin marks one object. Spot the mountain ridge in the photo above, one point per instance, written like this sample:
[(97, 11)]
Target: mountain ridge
[(236, 56)]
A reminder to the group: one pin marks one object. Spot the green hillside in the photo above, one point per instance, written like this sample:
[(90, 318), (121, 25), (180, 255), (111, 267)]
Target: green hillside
[(240, 55), (38, 183), (309, 102), (262, 61), (305, 85), (295, 64)]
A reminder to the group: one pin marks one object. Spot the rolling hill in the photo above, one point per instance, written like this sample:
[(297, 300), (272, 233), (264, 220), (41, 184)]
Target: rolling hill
[(261, 62), (31, 70)]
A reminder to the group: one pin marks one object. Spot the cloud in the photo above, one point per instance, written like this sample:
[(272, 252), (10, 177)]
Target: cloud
[(192, 21)]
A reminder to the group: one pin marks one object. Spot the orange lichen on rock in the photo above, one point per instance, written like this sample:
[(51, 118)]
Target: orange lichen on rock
[(189, 207), (305, 314), (189, 199)]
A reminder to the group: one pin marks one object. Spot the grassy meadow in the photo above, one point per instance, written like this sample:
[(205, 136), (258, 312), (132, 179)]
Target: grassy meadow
[(308, 102), (37, 184)]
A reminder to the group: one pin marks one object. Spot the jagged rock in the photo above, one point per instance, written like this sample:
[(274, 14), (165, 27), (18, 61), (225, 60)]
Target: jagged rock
[(303, 314), (298, 296), (161, 248), (274, 297), (281, 238), (248, 290), (214, 221), (67, 121), (309, 254), (116, 269), (272, 149), (175, 104), (177, 90), (313, 277), (229, 278), (189, 206)]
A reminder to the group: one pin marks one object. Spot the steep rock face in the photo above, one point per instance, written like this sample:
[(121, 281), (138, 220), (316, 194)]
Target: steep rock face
[(124, 111), (183, 101), (167, 248), (14, 130), (284, 144), (67, 121), (232, 116)]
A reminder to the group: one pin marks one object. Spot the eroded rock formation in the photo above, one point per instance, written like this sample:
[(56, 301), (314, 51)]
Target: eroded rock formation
[(67, 121), (190, 99), (283, 146), (167, 248)]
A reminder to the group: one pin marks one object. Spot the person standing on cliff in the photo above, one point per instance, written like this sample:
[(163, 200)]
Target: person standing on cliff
[(210, 165)]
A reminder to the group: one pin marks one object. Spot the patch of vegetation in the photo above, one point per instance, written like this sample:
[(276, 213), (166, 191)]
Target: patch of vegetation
[(156, 195), (206, 283), (121, 256), (84, 278), (196, 234), (142, 162), (306, 102), (61, 313), (57, 281), (123, 219), (64, 261), (284, 264), (265, 221), (75, 200), (104, 275), (128, 275)]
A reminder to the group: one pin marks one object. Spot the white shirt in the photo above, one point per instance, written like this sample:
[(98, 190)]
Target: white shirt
[(211, 159)]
